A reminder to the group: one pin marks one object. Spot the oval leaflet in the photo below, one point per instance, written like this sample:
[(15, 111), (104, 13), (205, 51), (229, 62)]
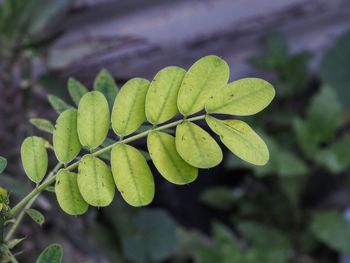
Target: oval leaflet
[(168, 162), (95, 181), (129, 107), (196, 146), (240, 139), (93, 119), (242, 97), (68, 194), (34, 158), (161, 99), (132, 175), (202, 80), (65, 136)]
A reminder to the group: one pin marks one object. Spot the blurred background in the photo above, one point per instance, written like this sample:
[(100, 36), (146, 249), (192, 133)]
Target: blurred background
[(295, 209)]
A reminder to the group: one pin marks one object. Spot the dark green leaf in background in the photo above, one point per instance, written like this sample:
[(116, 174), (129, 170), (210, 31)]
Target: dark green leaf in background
[(42, 124), (154, 240), (37, 216), (3, 164), (335, 68), (51, 254), (105, 84), (76, 90), (58, 104), (331, 228)]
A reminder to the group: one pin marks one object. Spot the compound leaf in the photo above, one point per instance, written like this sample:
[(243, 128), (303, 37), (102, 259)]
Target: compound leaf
[(202, 80), (58, 104), (65, 137), (3, 164), (129, 107), (169, 163), (161, 98), (37, 216), (132, 175), (34, 158), (242, 97), (240, 139), (42, 124), (95, 181), (105, 84), (196, 146), (76, 90), (68, 195), (51, 254), (93, 119)]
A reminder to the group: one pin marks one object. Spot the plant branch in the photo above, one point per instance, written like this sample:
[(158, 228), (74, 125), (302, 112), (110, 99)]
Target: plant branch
[(28, 201), (74, 165)]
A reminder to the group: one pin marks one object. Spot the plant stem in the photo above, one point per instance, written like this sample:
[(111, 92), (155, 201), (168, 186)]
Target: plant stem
[(20, 217), (51, 179), (28, 201)]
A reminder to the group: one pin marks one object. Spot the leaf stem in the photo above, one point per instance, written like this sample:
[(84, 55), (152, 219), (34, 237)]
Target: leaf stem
[(51, 179)]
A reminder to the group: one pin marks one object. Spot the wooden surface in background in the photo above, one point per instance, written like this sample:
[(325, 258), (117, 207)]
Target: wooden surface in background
[(137, 38)]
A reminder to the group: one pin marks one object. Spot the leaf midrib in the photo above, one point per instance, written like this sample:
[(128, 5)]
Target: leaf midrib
[(131, 172)]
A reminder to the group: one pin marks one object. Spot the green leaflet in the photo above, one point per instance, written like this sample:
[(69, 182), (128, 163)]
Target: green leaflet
[(196, 146), (51, 254), (76, 90), (65, 137), (11, 244), (240, 139), (132, 175), (105, 84), (169, 163), (129, 107), (37, 216), (242, 97), (42, 124), (58, 104), (3, 164), (68, 195), (95, 181), (34, 158), (202, 80), (93, 119), (161, 99)]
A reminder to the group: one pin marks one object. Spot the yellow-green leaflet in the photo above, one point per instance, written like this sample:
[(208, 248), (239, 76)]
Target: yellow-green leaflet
[(93, 119), (196, 146), (169, 163), (95, 181), (68, 195), (240, 139), (242, 97), (201, 81), (129, 107), (66, 142), (34, 158), (132, 175), (161, 99)]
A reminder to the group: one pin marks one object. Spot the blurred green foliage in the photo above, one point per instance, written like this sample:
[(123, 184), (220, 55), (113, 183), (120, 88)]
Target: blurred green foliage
[(334, 68), (308, 137)]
